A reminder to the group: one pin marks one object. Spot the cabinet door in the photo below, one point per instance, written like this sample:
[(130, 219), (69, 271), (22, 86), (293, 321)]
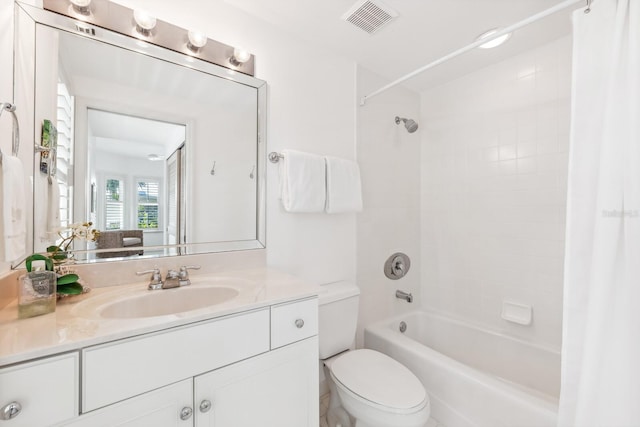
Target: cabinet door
[(46, 390), (158, 408), (277, 389)]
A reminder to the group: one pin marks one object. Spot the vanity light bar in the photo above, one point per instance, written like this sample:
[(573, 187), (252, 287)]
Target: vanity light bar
[(120, 19)]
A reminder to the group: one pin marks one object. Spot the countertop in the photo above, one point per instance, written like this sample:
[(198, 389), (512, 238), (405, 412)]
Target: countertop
[(75, 323)]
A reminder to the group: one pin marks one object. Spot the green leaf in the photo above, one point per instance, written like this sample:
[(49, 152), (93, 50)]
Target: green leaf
[(68, 278), (70, 289), (59, 256), (53, 249)]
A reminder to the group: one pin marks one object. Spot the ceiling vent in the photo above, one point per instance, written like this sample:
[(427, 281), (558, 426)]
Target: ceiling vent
[(369, 16)]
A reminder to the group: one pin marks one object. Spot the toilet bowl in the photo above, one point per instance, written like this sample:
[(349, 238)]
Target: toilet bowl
[(368, 388), (377, 391)]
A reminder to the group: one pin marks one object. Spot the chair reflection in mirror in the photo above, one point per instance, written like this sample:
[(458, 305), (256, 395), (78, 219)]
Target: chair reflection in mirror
[(125, 239)]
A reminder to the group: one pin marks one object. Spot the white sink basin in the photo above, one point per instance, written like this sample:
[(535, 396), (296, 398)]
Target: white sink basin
[(167, 301)]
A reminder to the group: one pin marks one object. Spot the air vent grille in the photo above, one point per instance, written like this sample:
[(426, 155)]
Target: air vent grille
[(370, 16)]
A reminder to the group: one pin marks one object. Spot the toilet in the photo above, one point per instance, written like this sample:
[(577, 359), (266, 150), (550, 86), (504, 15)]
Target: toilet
[(368, 388)]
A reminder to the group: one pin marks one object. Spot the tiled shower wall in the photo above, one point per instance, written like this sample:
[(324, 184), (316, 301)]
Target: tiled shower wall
[(494, 173), (389, 159)]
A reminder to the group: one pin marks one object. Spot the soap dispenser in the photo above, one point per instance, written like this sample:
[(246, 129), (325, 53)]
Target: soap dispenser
[(37, 289)]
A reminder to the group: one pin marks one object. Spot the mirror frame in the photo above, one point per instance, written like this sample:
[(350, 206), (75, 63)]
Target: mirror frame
[(28, 16)]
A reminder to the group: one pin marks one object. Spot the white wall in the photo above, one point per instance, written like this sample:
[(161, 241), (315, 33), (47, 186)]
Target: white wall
[(311, 108), (389, 160), (494, 170), (6, 83)]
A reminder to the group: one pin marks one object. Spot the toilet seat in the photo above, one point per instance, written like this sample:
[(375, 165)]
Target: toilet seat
[(379, 381)]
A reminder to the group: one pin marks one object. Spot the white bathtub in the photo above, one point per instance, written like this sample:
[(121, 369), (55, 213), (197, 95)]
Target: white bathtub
[(474, 377)]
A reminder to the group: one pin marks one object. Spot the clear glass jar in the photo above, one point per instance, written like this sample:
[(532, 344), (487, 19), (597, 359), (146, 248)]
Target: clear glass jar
[(37, 294)]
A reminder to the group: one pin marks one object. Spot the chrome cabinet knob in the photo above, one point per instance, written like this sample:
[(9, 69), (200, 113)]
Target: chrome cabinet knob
[(186, 413), (299, 323), (205, 405), (10, 411)]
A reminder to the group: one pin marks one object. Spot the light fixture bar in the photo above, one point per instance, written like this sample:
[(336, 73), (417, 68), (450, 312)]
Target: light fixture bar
[(467, 48), (120, 19)]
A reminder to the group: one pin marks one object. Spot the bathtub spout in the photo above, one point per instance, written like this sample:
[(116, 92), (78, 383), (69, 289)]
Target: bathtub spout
[(404, 295)]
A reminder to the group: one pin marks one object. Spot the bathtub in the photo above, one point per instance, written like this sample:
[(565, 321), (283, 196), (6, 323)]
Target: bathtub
[(474, 377)]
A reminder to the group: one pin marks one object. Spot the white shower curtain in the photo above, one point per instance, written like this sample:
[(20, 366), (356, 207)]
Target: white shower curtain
[(601, 335)]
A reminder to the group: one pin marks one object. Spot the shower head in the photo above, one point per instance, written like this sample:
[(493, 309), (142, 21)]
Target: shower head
[(409, 124)]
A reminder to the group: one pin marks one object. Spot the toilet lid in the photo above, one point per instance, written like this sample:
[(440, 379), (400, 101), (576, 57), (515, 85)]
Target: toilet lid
[(379, 379)]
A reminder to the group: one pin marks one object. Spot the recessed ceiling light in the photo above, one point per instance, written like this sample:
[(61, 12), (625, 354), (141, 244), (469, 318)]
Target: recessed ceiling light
[(495, 42), (155, 157)]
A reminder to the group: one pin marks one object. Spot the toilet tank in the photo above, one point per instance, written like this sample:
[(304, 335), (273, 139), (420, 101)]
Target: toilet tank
[(338, 317)]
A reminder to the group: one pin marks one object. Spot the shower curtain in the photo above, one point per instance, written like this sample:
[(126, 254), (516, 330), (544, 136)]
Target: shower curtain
[(601, 329)]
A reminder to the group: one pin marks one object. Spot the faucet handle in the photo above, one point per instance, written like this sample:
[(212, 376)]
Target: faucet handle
[(184, 274), (155, 281)]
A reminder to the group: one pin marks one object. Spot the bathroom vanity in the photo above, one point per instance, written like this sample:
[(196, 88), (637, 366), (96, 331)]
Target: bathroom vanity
[(249, 360)]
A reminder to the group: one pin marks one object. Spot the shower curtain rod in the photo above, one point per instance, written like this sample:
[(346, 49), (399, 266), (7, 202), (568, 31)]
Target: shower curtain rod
[(509, 29)]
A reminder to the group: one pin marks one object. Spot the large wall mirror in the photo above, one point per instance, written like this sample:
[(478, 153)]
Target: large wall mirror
[(163, 153)]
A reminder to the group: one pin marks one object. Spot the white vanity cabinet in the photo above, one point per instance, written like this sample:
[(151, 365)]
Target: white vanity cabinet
[(254, 368), (277, 389), (118, 370), (157, 408), (39, 393)]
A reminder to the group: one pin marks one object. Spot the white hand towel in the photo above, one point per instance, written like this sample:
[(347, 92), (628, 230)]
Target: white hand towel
[(303, 182), (53, 208), (344, 193), (14, 214)]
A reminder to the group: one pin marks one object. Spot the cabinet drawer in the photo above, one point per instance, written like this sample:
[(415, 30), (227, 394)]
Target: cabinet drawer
[(293, 322), (46, 389), (126, 368)]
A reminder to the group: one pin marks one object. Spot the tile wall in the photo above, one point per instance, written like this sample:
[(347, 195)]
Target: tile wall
[(494, 174), (389, 159)]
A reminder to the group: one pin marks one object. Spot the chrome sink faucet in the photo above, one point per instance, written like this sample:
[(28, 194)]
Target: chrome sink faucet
[(171, 280), (155, 281), (174, 279)]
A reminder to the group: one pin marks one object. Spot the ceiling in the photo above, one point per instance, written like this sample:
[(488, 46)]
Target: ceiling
[(424, 31), (133, 136)]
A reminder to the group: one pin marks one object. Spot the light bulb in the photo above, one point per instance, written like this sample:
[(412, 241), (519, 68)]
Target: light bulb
[(144, 21), (241, 55), (495, 42), (153, 157), (81, 6), (197, 39)]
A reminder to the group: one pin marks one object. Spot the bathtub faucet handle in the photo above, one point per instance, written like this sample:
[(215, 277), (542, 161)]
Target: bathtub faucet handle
[(404, 295), (397, 266)]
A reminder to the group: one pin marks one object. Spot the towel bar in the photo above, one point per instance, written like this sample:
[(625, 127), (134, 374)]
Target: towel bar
[(275, 157)]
